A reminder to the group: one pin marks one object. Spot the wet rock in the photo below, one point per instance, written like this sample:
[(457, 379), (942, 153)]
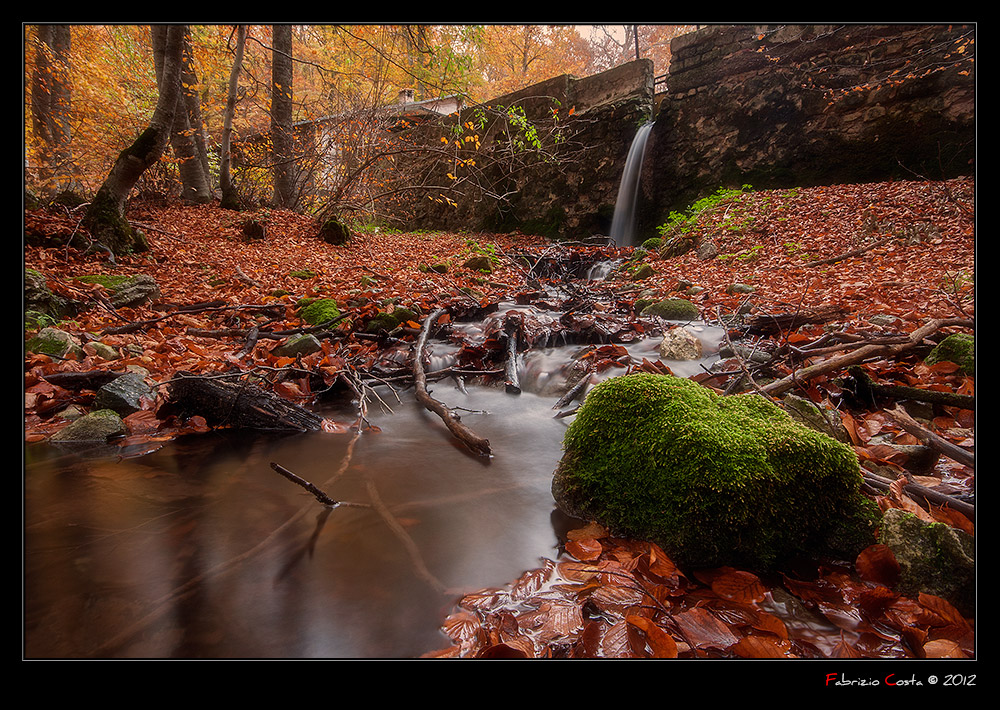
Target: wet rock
[(826, 419), (933, 557), (479, 263), (680, 344), (54, 342), (94, 427), (124, 395), (302, 344), (959, 348)]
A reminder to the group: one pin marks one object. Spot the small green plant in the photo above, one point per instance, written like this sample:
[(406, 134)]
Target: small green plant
[(679, 224)]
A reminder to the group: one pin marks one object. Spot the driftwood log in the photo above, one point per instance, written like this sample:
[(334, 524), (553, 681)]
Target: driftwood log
[(240, 404), (473, 441)]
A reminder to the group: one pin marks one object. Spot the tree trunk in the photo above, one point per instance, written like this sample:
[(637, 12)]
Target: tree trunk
[(230, 198), (105, 218), (187, 136), (282, 139), (50, 107)]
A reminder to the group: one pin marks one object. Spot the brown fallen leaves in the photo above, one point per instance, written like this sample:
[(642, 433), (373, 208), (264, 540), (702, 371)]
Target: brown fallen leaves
[(611, 598)]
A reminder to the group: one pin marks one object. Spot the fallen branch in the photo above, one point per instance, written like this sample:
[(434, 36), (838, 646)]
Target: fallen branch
[(939, 444), (849, 254), (860, 355), (921, 494), (869, 391), (451, 420)]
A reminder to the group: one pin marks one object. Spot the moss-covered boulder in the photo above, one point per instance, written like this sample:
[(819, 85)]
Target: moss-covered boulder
[(672, 309), (97, 426), (933, 558), (712, 479), (386, 322), (55, 342), (126, 291), (959, 348), (322, 310)]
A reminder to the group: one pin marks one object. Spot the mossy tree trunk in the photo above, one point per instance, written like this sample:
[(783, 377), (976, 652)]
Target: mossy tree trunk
[(105, 218)]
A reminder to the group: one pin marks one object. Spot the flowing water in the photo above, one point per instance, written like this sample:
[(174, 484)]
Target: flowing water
[(201, 550), (623, 222)]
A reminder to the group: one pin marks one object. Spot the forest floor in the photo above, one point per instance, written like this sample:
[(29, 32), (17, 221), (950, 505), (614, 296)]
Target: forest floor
[(914, 264)]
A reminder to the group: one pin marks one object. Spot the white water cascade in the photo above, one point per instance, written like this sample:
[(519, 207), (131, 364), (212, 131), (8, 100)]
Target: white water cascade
[(623, 223)]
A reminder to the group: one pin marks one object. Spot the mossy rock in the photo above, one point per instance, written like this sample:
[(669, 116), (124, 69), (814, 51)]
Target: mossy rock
[(126, 291), (933, 558), (335, 232), (712, 479), (54, 342), (320, 311), (97, 426), (652, 244), (386, 322), (672, 309), (959, 348)]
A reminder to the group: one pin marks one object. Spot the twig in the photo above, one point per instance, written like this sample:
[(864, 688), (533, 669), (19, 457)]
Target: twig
[(317, 493)]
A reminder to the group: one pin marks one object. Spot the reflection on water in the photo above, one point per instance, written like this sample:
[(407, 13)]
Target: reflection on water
[(201, 550), (119, 556)]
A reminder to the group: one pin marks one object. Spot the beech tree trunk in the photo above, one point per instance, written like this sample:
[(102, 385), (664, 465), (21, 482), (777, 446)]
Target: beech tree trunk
[(187, 138), (230, 197), (50, 107), (105, 218), (282, 137)]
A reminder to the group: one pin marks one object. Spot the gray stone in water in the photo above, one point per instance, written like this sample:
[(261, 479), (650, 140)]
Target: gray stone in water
[(680, 344), (96, 426), (124, 394)]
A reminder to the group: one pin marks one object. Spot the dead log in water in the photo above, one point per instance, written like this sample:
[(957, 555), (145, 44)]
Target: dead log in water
[(473, 441), (239, 404)]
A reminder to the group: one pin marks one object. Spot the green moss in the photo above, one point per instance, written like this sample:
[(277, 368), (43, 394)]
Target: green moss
[(959, 348), (712, 479), (320, 311), (106, 280), (672, 309)]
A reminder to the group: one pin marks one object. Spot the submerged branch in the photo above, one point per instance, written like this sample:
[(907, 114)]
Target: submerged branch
[(476, 443)]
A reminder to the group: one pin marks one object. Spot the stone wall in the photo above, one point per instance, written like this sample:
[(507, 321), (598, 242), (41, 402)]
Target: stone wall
[(572, 196), (770, 106), (802, 105)]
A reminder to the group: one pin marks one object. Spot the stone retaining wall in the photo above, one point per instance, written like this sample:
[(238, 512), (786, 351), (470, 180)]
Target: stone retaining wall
[(781, 106), (770, 106)]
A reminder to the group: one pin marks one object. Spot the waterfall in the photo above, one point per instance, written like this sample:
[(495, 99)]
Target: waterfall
[(623, 223)]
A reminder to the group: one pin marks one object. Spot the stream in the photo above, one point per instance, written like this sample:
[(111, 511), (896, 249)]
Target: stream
[(200, 550)]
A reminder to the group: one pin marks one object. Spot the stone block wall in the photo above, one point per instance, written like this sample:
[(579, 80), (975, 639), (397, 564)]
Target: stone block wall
[(772, 106), (801, 105)]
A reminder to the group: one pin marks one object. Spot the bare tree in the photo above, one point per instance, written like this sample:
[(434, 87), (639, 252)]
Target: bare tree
[(188, 135), (50, 107), (105, 218), (282, 136), (230, 198)]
